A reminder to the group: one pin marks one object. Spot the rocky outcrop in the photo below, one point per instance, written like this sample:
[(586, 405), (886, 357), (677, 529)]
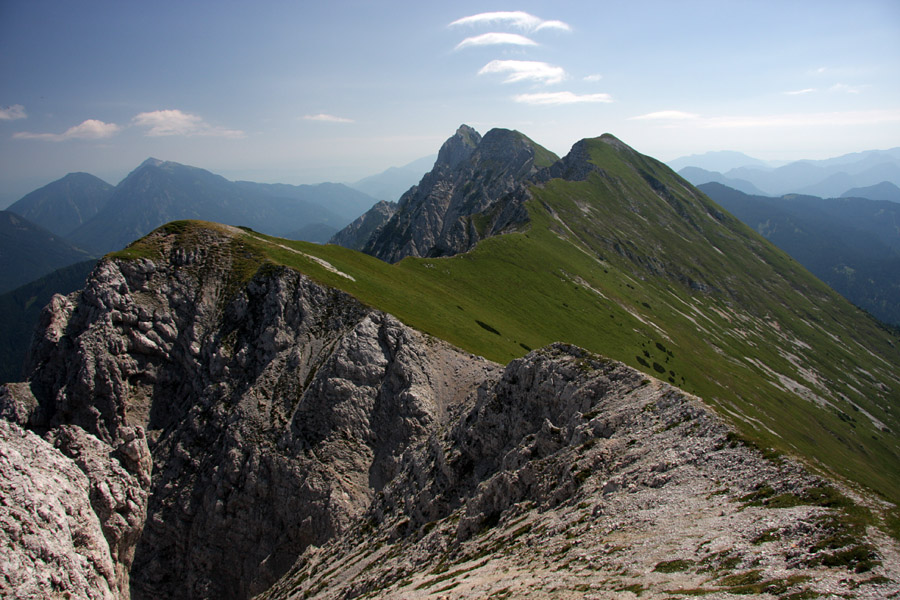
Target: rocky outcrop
[(476, 189), (573, 474), (574, 166), (357, 234), (275, 408)]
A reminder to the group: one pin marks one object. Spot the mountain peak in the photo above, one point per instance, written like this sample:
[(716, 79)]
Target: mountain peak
[(611, 140), (152, 162), (459, 147), (63, 205), (477, 189)]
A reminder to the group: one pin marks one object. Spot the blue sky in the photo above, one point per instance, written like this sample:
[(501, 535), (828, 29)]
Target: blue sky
[(303, 92)]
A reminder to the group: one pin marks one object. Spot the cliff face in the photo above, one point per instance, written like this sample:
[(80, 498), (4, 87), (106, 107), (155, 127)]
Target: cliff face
[(275, 409), (475, 190)]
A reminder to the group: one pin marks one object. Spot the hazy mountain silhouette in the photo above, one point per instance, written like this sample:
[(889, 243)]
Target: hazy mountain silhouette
[(65, 204)]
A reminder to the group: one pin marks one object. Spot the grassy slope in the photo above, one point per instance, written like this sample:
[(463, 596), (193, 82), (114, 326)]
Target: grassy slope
[(666, 283)]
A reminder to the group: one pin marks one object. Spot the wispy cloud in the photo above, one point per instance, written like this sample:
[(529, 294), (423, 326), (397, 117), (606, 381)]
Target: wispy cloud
[(666, 115), (593, 78), (494, 39), (91, 129), (525, 70), (841, 88), (327, 118), (859, 117), (518, 19), (800, 92), (556, 98), (175, 122), (10, 113)]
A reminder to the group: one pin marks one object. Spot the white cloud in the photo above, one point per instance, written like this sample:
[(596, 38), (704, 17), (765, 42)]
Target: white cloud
[(492, 39), (175, 122), (327, 118), (518, 19), (556, 98), (91, 129), (9, 113), (525, 70), (554, 25), (800, 92), (593, 78), (669, 115)]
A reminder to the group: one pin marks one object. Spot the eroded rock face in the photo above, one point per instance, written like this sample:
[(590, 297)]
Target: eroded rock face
[(572, 474), (476, 189), (275, 409)]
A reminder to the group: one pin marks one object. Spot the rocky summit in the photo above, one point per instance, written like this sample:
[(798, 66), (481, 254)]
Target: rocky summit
[(476, 189), (223, 414)]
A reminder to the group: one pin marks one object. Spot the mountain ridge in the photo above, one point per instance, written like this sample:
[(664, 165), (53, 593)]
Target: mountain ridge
[(293, 395), (829, 177), (159, 191)]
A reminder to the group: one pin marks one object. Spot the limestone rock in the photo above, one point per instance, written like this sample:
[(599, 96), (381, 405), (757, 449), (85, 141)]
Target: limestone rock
[(476, 189), (274, 410), (55, 542), (574, 476)]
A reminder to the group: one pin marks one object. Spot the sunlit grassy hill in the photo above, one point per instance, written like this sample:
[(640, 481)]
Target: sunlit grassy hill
[(636, 264)]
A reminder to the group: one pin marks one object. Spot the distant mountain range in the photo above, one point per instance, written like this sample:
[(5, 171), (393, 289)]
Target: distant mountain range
[(880, 191), (158, 192), (829, 178), (98, 217), (721, 161), (852, 244), (395, 181)]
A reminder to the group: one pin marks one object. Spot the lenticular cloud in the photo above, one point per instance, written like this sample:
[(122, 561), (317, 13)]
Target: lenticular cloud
[(518, 19), (492, 39)]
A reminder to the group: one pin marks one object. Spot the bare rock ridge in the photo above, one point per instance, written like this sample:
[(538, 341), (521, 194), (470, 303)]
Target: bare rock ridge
[(476, 189), (303, 444), (573, 474)]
